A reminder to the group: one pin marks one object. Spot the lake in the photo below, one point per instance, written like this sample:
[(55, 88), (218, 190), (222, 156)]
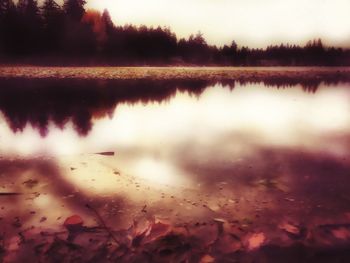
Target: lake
[(247, 163)]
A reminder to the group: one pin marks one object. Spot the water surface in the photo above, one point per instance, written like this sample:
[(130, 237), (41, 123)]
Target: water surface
[(187, 152)]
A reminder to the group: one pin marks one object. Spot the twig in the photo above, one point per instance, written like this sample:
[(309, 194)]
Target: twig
[(10, 194), (106, 153), (103, 223)]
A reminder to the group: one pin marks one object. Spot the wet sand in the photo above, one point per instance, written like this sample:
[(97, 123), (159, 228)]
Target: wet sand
[(130, 218)]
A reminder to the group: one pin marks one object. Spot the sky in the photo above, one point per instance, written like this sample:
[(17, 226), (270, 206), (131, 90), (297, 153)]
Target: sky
[(254, 23)]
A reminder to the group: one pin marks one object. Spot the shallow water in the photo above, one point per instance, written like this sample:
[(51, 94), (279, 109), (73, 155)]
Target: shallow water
[(184, 152)]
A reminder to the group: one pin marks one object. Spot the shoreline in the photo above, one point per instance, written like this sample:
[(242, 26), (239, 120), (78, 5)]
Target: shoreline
[(176, 73)]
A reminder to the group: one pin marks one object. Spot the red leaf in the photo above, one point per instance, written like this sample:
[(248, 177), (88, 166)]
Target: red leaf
[(255, 241), (74, 220), (158, 230)]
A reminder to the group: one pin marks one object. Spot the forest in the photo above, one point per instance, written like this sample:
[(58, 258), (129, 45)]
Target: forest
[(51, 34)]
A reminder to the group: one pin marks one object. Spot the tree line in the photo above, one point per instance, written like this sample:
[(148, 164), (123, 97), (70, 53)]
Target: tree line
[(54, 34)]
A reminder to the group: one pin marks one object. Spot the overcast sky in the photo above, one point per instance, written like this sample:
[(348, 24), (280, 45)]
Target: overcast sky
[(255, 23)]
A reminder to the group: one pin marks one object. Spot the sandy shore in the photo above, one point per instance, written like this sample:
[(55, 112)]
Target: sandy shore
[(168, 73)]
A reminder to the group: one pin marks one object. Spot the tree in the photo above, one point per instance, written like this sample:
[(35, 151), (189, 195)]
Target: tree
[(4, 7), (7, 8), (94, 20), (51, 12), (106, 19), (29, 8), (53, 25), (29, 31), (199, 39), (79, 39), (74, 9), (234, 46)]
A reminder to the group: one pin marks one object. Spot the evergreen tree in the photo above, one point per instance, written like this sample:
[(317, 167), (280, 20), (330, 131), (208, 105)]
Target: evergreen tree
[(53, 25), (107, 21), (4, 12), (4, 7), (29, 9), (51, 12), (234, 46), (74, 9), (79, 38), (19, 26)]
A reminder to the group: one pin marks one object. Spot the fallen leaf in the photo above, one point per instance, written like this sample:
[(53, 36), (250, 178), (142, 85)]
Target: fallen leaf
[(341, 233), (290, 228), (255, 241), (293, 230), (157, 230), (74, 220), (207, 259)]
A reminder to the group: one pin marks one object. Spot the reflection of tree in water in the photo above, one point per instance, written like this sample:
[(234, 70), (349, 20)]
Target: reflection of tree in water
[(38, 101)]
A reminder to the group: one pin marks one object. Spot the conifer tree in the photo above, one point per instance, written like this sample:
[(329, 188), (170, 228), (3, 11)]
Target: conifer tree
[(74, 9), (53, 25), (51, 12)]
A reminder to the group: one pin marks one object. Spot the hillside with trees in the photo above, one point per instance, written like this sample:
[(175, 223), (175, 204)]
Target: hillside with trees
[(69, 34)]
